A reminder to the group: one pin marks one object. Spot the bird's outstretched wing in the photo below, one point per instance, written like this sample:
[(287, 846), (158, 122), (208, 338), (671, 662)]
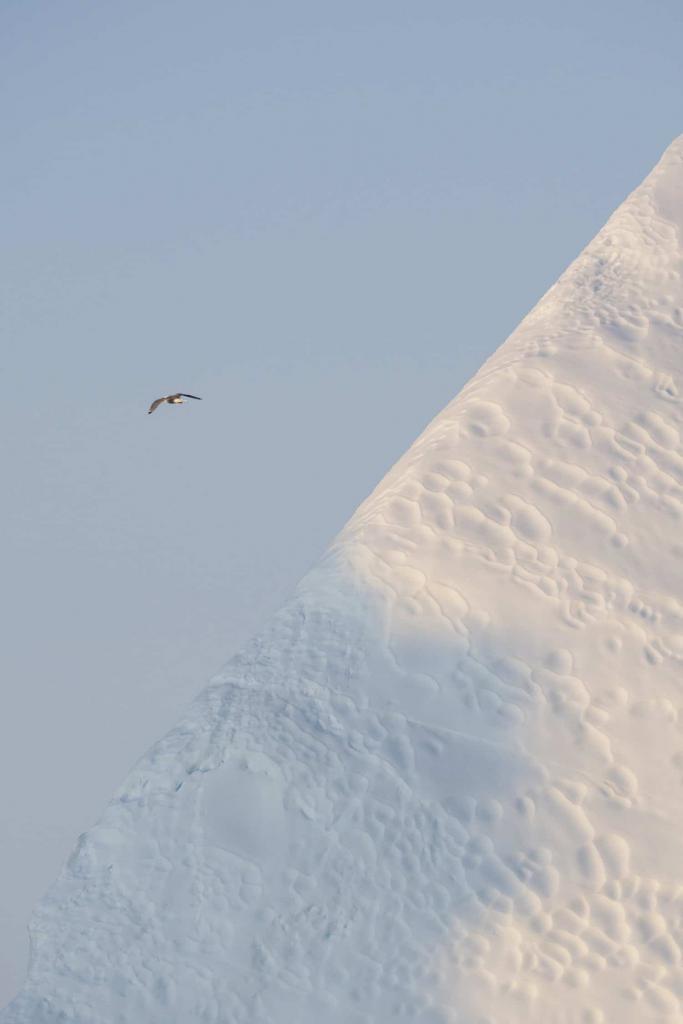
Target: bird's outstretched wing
[(155, 405), (183, 395)]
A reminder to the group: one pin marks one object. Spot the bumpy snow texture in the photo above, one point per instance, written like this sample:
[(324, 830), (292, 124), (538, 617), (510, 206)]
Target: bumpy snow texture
[(446, 783)]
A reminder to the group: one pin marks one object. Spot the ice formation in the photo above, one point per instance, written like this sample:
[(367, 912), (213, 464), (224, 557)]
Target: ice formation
[(445, 784)]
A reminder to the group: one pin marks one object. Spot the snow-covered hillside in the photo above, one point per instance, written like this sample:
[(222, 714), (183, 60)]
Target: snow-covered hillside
[(446, 783)]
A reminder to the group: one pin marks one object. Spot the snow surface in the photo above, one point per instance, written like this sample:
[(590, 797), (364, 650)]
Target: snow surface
[(446, 783)]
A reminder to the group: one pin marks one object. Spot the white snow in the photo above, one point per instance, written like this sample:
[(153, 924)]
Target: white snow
[(446, 783)]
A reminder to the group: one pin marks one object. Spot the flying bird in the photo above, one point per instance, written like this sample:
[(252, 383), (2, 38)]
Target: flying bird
[(176, 399)]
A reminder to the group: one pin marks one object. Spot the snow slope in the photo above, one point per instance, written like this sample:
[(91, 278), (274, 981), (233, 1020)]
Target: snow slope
[(446, 783)]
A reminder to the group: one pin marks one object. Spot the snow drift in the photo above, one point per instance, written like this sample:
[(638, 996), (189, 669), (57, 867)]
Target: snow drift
[(446, 783)]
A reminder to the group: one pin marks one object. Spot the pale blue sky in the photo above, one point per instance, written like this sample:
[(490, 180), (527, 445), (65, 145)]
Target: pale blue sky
[(321, 218)]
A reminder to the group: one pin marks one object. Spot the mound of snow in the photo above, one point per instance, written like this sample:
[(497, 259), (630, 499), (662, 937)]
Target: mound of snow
[(446, 783)]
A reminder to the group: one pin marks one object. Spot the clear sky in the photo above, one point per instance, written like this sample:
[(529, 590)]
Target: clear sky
[(321, 217)]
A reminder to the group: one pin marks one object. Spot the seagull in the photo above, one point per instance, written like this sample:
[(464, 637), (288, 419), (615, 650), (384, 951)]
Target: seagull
[(176, 399)]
